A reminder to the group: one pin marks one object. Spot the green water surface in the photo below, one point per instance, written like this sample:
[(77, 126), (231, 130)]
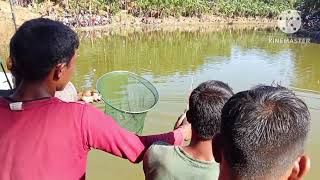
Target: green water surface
[(173, 60)]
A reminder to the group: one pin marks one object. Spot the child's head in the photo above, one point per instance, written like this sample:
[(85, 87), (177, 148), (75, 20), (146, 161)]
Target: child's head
[(43, 49), (263, 135), (205, 105)]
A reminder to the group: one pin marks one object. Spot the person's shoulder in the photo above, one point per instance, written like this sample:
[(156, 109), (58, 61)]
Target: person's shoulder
[(161, 146), (87, 111), (158, 154), (77, 106), (159, 149)]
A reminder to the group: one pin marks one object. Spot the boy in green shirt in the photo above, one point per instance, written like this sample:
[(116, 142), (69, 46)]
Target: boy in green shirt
[(195, 161)]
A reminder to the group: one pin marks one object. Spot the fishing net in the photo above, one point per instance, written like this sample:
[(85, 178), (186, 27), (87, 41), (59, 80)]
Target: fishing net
[(128, 98)]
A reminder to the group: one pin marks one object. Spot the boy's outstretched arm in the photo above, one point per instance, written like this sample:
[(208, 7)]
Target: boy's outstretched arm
[(102, 132)]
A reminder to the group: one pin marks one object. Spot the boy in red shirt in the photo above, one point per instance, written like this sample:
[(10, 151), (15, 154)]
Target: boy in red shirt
[(42, 137)]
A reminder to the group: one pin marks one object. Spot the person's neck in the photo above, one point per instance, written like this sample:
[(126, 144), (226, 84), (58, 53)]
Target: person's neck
[(200, 149), (27, 91)]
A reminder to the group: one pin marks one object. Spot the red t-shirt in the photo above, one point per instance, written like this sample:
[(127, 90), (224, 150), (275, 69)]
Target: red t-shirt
[(50, 139)]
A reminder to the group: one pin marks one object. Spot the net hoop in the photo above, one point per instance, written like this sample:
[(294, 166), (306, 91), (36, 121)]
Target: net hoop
[(154, 91)]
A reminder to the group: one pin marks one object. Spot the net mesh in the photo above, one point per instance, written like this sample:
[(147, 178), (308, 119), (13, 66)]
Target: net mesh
[(127, 98)]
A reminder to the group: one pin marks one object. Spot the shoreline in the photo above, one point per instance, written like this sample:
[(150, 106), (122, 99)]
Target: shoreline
[(185, 23), (125, 22)]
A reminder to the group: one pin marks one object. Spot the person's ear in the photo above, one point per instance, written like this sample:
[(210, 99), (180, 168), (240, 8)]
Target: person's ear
[(217, 148), (58, 71), (301, 168), (9, 63)]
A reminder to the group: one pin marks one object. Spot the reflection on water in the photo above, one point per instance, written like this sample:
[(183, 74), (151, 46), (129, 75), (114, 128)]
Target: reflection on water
[(173, 60), (241, 58)]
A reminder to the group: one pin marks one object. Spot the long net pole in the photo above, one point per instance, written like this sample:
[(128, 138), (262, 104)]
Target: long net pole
[(5, 74), (13, 15)]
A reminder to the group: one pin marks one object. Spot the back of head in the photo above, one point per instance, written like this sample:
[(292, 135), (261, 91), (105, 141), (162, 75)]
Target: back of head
[(264, 131), (205, 105), (38, 45)]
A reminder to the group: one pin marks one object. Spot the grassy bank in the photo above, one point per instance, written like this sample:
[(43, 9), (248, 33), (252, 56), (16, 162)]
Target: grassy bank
[(165, 8), (87, 13)]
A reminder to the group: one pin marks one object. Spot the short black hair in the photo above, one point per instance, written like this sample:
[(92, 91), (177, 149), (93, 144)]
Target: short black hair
[(40, 44), (205, 105), (264, 131)]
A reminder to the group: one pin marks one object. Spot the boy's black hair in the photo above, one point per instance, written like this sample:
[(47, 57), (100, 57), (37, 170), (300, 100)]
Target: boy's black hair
[(264, 131), (39, 45), (205, 105)]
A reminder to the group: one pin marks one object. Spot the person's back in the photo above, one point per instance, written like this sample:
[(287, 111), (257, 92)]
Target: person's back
[(48, 143), (172, 162), (196, 160), (50, 139), (263, 136)]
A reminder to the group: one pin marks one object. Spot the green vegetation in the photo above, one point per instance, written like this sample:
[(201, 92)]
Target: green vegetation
[(164, 8), (310, 10), (264, 8), (160, 8), (311, 7)]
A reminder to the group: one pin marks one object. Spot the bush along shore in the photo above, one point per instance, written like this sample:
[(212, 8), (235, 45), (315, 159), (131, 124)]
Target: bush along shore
[(310, 28), (88, 13), (310, 11), (83, 13)]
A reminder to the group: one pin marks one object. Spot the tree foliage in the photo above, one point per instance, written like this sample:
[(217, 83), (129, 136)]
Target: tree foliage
[(161, 8)]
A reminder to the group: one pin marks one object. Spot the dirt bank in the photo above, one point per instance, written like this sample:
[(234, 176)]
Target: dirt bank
[(123, 20), (6, 23)]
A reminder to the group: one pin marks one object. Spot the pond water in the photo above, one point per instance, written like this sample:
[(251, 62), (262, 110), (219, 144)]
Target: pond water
[(172, 60)]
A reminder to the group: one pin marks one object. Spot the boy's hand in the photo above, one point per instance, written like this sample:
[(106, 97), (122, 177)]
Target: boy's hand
[(185, 125), (182, 120), (187, 132)]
